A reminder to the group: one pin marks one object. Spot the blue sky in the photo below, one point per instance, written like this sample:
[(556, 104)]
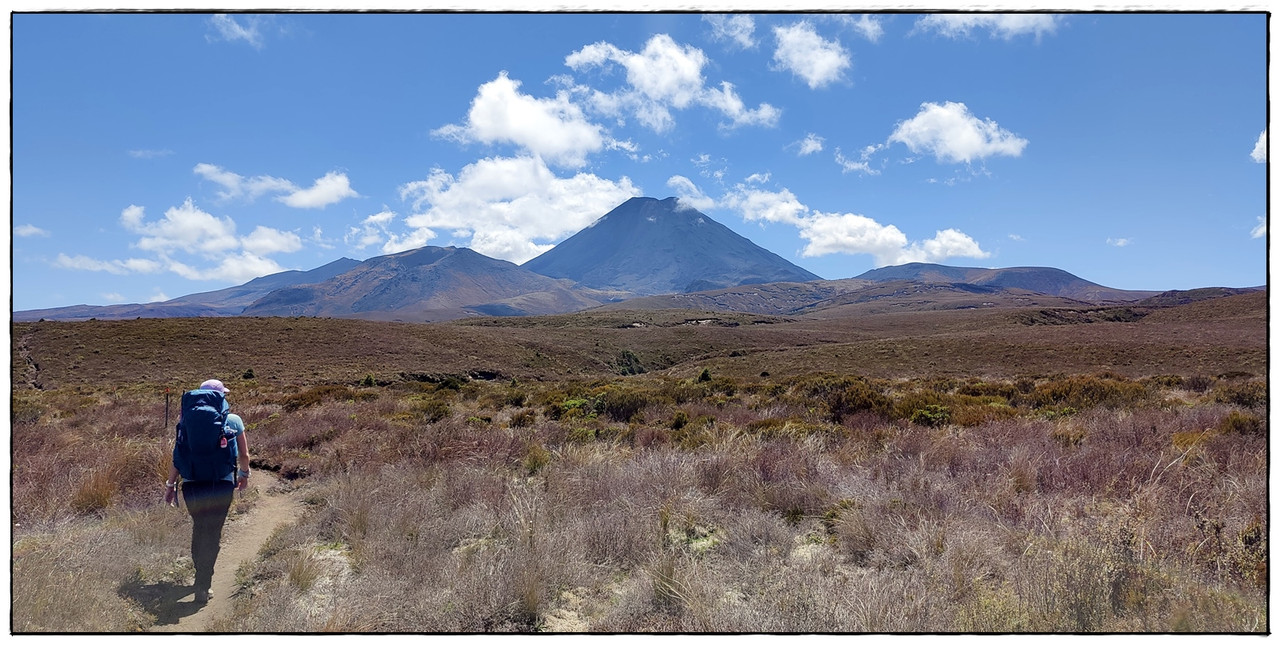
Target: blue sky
[(157, 155)]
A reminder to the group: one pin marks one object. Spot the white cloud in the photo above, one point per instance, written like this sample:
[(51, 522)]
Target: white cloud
[(244, 266), (158, 296), (555, 128), (953, 135), (810, 144), (113, 297), (184, 227), (373, 230), (265, 241), (1006, 26), (737, 28), (863, 164), (849, 233), (510, 208), (1118, 241), (236, 186), (727, 101), (187, 232), (829, 233), (813, 58), (30, 230), (230, 30), (868, 26), (665, 75), (761, 205), (329, 189), (1260, 230), (1259, 153), (117, 267), (689, 194)]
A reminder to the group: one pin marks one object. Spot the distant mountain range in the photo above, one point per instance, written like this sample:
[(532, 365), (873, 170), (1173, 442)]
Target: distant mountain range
[(644, 254)]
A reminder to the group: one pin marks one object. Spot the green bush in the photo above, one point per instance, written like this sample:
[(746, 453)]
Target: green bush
[(621, 404), (850, 396), (931, 415), (1252, 394), (316, 396), (1240, 423), (629, 364), (1083, 392), (433, 410)]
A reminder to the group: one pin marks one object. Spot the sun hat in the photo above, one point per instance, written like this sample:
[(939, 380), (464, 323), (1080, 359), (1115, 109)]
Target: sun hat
[(214, 384)]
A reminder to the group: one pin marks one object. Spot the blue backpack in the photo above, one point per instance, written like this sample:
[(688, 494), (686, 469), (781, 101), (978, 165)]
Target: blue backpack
[(205, 448)]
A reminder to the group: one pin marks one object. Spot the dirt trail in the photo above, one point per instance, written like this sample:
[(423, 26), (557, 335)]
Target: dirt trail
[(242, 538)]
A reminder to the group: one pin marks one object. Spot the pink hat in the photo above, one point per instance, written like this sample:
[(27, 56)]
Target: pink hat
[(214, 384)]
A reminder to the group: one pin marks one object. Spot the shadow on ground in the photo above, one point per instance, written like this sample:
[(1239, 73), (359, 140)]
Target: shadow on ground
[(160, 599)]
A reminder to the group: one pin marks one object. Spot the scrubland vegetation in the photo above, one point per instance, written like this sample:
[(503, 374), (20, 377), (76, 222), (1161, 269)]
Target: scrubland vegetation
[(675, 501)]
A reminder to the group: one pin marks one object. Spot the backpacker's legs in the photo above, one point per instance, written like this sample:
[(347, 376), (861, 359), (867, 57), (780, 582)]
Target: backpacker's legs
[(208, 504)]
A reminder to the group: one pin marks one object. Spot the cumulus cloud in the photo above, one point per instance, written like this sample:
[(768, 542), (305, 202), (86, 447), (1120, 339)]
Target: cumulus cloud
[(30, 230), (810, 144), (1004, 26), (117, 267), (662, 77), (688, 193), (736, 28), (867, 26), (1259, 153), (555, 128), (183, 228), (952, 134), (229, 29), (187, 234), (512, 208), (236, 186), (1118, 241), (759, 205), (849, 233), (265, 241), (329, 189), (813, 58), (1260, 230)]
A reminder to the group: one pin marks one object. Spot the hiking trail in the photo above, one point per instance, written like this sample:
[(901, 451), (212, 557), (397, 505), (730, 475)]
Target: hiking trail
[(242, 538)]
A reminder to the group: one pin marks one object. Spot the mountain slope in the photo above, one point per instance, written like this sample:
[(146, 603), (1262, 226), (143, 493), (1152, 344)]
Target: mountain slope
[(1050, 281), (647, 246), (427, 284), (223, 302)]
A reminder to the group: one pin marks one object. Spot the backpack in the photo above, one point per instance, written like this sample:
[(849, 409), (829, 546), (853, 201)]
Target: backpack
[(205, 448)]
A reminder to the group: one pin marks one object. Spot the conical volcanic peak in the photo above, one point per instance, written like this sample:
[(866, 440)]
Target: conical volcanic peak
[(650, 246)]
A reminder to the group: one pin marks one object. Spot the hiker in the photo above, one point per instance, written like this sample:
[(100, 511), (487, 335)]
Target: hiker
[(211, 470)]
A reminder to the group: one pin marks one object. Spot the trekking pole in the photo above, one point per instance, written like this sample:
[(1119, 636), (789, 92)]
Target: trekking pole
[(166, 408)]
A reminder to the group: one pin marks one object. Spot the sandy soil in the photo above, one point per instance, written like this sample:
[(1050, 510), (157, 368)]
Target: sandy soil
[(242, 538)]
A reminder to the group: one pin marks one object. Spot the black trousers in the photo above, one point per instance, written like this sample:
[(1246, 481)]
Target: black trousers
[(208, 504)]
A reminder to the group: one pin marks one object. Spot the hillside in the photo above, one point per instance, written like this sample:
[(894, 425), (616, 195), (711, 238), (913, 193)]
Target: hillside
[(426, 284), (1046, 280), (222, 302), (648, 246)]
